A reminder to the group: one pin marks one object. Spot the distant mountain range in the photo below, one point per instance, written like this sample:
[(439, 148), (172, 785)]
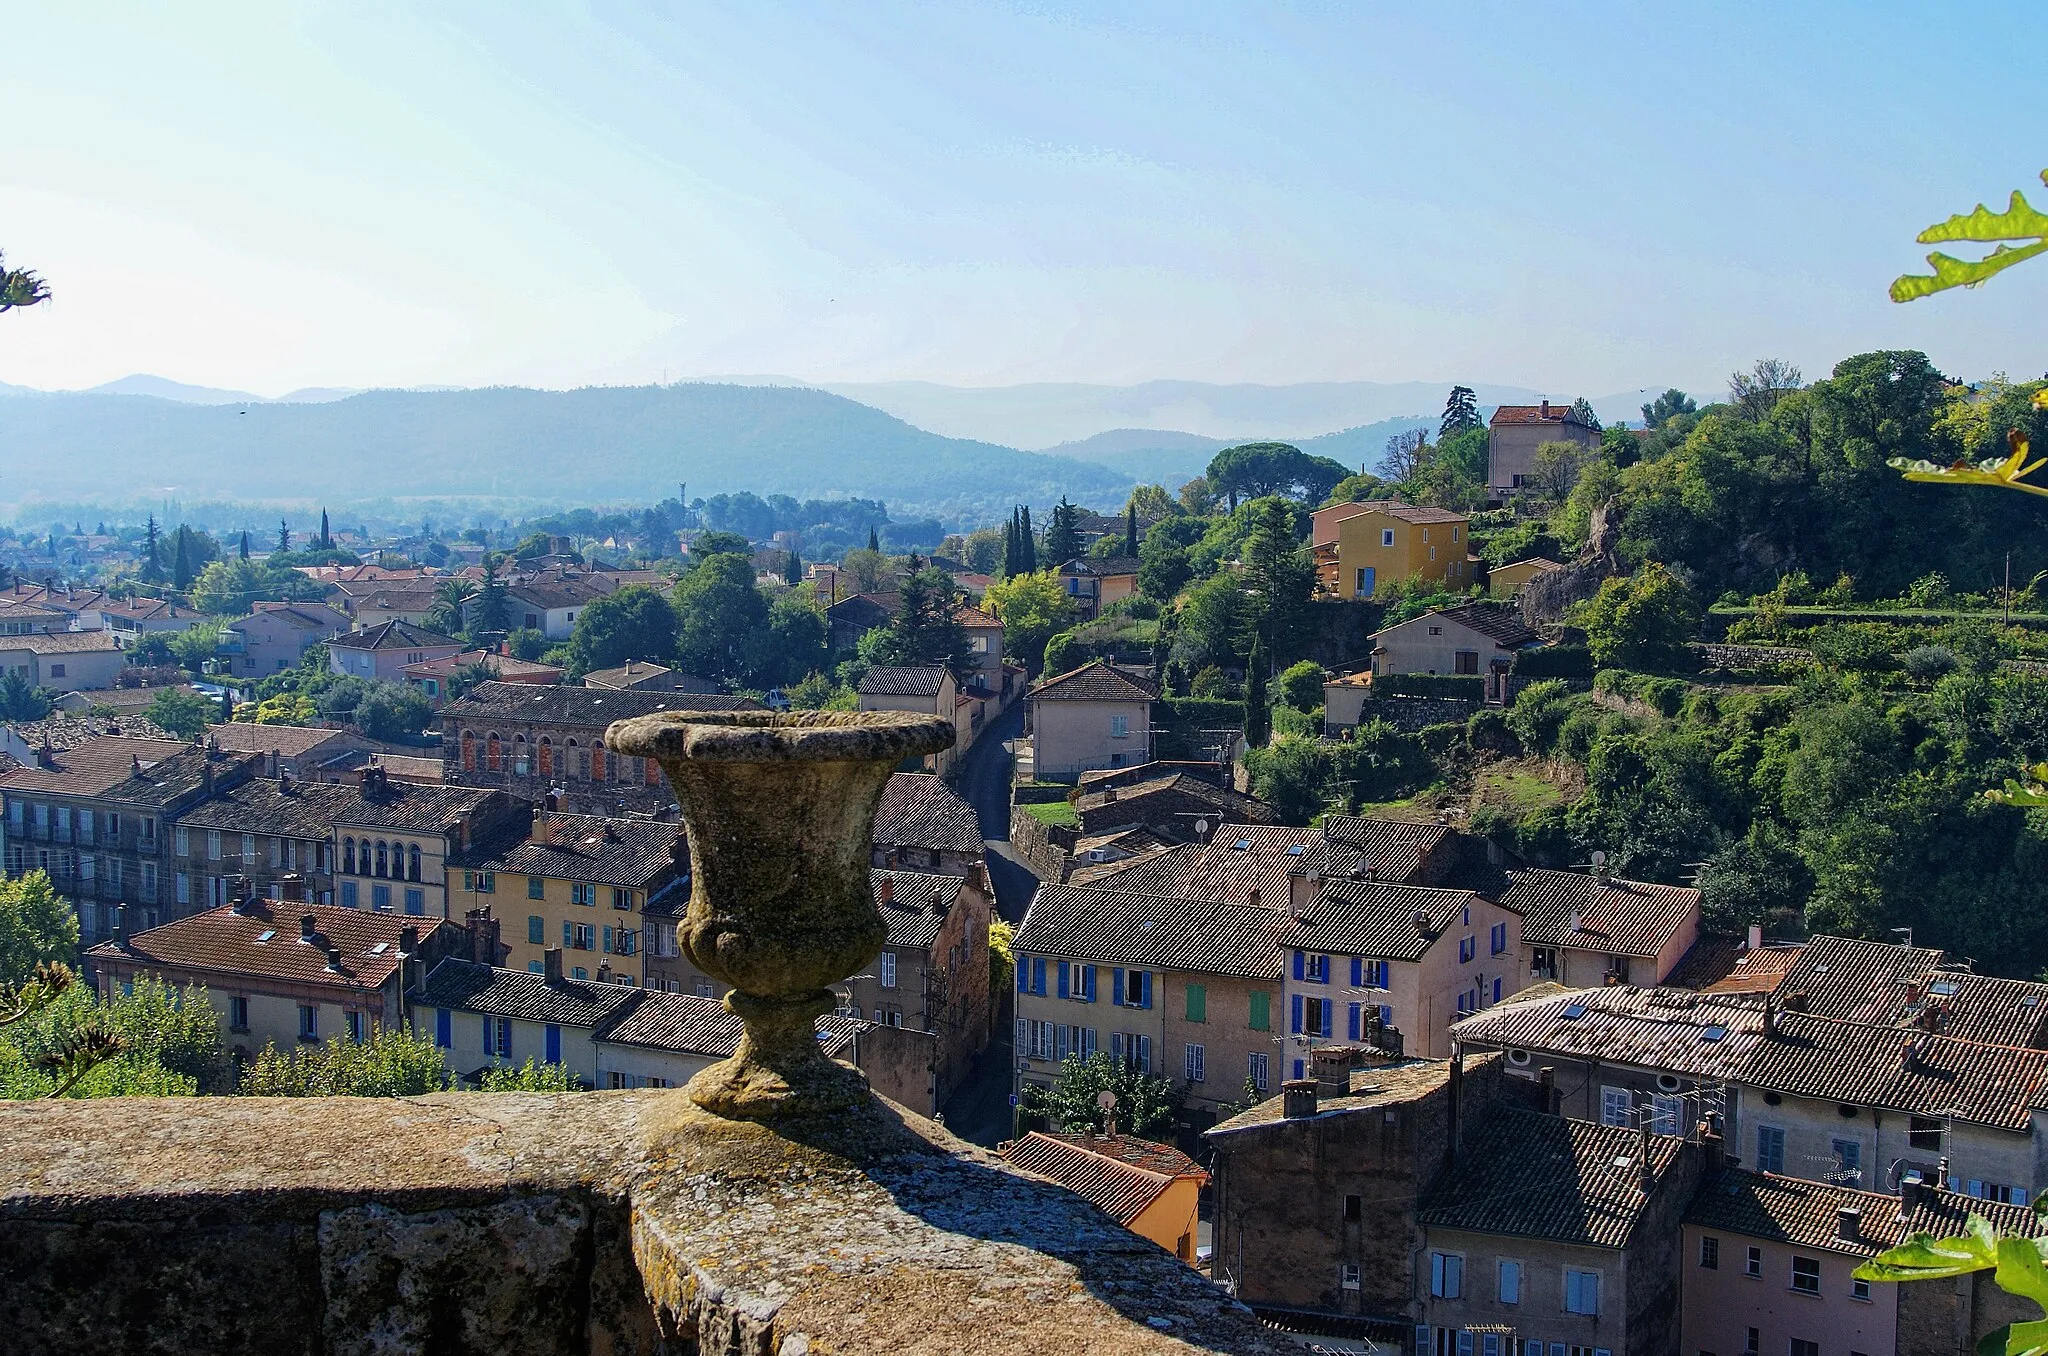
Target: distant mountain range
[(143, 438)]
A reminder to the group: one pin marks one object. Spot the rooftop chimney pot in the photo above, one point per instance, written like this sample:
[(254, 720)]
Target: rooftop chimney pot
[(308, 925), (1298, 1098), (1756, 937), (551, 964), (1849, 1223)]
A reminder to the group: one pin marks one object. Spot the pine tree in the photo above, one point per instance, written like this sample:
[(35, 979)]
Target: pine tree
[(1131, 531), (152, 557), (1582, 410), (925, 631), (245, 546), (1461, 412), (874, 542), (284, 535), (1028, 540), (181, 561), (1258, 716), (1063, 537)]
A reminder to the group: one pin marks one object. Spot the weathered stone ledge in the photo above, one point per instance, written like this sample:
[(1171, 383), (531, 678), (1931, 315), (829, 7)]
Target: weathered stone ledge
[(624, 1222)]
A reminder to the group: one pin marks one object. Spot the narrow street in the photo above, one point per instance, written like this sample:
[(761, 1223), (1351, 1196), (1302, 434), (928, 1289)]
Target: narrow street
[(979, 1110)]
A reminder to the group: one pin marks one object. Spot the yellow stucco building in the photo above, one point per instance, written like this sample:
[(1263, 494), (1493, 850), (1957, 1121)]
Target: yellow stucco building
[(1388, 540), (1505, 581)]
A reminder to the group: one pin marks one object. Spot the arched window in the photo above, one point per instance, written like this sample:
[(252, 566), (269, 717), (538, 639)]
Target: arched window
[(547, 757), (348, 856), (492, 754), (382, 860), (469, 751), (597, 763), (519, 754), (412, 862), (653, 772)]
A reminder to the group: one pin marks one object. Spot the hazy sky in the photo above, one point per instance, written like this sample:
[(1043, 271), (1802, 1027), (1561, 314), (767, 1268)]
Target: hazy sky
[(1566, 196)]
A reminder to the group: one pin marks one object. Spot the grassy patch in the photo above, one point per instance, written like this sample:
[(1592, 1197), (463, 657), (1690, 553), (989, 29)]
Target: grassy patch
[(1055, 814), (1420, 808), (1516, 788)]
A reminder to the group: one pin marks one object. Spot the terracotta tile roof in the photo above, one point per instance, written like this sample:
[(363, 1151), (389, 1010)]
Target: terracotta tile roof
[(632, 672), (1093, 681), (1222, 870), (1411, 513), (969, 615), (289, 740), (265, 942), (92, 767), (1794, 1210), (591, 707), (919, 810), (917, 905), (1537, 1176), (465, 986), (1102, 567), (1533, 414), (1670, 1030), (1890, 985), (889, 681), (1946, 1214), (413, 808), (1499, 622), (392, 635), (631, 853), (505, 666), (1139, 800), (1120, 927), (260, 805), (1729, 965), (1393, 850), (1850, 1062), (63, 642), (1368, 918), (1620, 917), (1395, 1083), (1120, 1174), (691, 1025)]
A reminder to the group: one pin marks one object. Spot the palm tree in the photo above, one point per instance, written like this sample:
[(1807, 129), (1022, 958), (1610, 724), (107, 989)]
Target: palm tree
[(451, 601), (20, 287)]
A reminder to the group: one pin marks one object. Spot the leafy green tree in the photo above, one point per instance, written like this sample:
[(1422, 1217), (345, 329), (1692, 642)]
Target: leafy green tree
[(721, 617), (630, 623), (1145, 1106), (392, 1063), (1032, 608), (531, 1076), (36, 926), (1757, 392), (798, 640), (925, 631), (528, 643), (1062, 534), (869, 570), (1301, 685), (155, 1042), (20, 287), (182, 712), (1214, 618), (20, 700), (230, 588), (196, 644), (1643, 622), (1672, 403), (1163, 565), (393, 711), (1152, 502), (1556, 469), (1461, 412), (1255, 470)]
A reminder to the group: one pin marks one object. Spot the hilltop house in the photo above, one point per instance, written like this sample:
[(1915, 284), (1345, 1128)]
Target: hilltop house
[(1092, 717), (1094, 582), (1475, 638), (275, 636), (384, 651), (1516, 431)]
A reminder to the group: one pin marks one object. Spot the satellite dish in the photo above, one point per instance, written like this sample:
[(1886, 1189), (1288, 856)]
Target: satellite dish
[(1106, 1100), (1599, 858)]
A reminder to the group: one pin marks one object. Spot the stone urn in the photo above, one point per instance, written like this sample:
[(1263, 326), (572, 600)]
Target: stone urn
[(779, 808)]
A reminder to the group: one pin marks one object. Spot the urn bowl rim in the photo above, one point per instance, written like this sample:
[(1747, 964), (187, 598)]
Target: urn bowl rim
[(780, 736)]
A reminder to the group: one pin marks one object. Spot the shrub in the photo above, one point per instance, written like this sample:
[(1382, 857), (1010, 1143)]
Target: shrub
[(1553, 661), (1301, 685), (1928, 662), (1539, 710), (1467, 685), (1488, 731), (1211, 684)]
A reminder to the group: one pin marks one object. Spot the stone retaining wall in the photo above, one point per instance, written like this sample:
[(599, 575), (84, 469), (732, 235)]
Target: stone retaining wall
[(1046, 850), (1752, 656), (1410, 714)]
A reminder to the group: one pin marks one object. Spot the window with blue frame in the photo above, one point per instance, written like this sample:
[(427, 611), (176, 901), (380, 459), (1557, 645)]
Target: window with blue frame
[(444, 1028), (1131, 988), (1368, 974), (1497, 937), (415, 901), (380, 898), (1468, 947), (348, 894), (536, 930)]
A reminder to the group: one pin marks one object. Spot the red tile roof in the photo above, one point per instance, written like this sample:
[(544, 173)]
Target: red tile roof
[(1120, 1174), (93, 767), (266, 942), (1093, 681), (1533, 414)]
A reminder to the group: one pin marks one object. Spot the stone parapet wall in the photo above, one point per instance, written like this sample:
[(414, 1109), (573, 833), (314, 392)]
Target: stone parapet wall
[(615, 1223), (1410, 714)]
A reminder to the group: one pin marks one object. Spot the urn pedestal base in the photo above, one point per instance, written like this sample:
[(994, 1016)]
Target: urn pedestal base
[(779, 1069)]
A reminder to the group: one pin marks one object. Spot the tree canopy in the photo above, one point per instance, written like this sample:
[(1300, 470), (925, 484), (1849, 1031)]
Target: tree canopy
[(1254, 470)]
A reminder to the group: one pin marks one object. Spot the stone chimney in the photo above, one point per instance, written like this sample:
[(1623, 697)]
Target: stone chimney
[(308, 927), (551, 964), (121, 926), (291, 887), (334, 959), (1298, 1098), (1795, 1001), (885, 889), (1332, 1065), (1849, 1224), (408, 939), (1910, 1190), (1546, 409), (1756, 937), (1546, 1083), (1770, 1026), (543, 829), (1109, 792), (484, 935), (1300, 894), (1421, 921), (604, 972)]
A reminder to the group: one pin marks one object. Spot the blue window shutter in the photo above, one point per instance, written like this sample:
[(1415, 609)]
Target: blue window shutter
[(554, 1044), (1386, 1015), (1023, 974), (1145, 988), (444, 1028), (1422, 1339), (1038, 975), (1385, 983), (1296, 1014), (568, 935), (1088, 983), (1297, 1068), (1116, 987), (1357, 973), (1329, 1014), (1299, 973), (1354, 1020), (1063, 979), (1496, 989), (490, 1037)]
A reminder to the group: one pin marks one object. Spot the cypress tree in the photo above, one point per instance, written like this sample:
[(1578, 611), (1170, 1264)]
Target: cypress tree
[(284, 535), (1028, 540), (1131, 530), (874, 542), (181, 562), (1258, 717), (152, 558), (793, 568), (326, 537), (245, 546)]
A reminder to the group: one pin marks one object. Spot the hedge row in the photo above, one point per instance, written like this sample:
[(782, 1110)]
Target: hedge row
[(1468, 685), (1553, 661)]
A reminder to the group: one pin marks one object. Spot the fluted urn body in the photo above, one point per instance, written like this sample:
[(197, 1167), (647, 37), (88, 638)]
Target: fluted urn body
[(779, 808)]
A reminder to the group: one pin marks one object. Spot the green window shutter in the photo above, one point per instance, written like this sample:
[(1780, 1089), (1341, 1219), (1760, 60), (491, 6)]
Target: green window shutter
[(1198, 1003), (1262, 1017)]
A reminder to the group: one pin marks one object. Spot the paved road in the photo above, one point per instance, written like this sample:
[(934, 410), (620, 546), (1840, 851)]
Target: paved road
[(979, 1110), (985, 782)]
